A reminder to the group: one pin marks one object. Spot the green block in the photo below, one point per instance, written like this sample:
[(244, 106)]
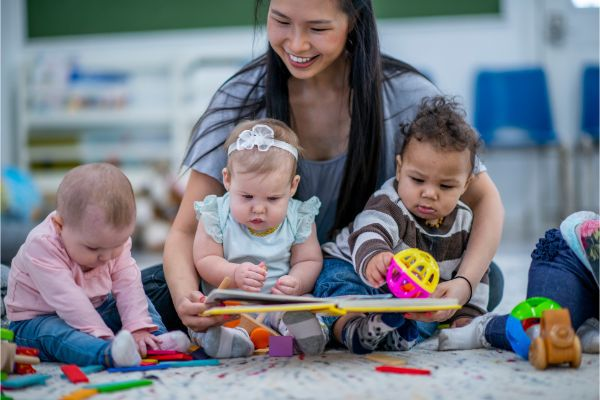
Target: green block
[(6, 334)]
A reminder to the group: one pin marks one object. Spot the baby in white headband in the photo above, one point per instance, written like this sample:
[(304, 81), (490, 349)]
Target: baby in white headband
[(260, 237)]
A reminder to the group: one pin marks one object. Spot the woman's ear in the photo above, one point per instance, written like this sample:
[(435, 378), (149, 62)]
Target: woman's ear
[(58, 222), (294, 187), (226, 178)]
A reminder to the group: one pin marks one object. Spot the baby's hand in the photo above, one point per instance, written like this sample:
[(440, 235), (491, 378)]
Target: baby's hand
[(144, 340), (250, 277), (287, 284), (377, 268)]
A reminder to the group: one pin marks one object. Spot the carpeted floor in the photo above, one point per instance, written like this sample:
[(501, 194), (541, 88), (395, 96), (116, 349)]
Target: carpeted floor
[(472, 374)]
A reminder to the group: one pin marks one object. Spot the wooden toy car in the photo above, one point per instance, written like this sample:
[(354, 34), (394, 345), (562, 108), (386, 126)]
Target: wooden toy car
[(557, 342)]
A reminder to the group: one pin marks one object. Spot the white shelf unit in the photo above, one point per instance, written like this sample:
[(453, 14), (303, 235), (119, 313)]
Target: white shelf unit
[(134, 110)]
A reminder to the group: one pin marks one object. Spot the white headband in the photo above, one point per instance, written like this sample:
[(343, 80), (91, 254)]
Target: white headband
[(263, 137)]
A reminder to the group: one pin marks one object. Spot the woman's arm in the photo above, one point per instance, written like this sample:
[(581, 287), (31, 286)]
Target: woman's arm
[(178, 263), (488, 219)]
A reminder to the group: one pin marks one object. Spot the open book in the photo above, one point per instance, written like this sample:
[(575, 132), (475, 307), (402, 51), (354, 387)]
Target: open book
[(241, 302)]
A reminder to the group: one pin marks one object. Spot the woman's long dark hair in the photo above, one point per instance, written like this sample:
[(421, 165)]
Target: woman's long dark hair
[(368, 69)]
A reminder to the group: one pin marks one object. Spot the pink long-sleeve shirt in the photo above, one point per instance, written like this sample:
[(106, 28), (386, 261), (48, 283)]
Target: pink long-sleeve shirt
[(44, 280)]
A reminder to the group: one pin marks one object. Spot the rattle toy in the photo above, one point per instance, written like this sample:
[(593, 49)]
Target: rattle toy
[(522, 324), (413, 273)]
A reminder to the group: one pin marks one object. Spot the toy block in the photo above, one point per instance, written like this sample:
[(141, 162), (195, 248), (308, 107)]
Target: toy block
[(18, 382), (260, 338), (80, 394), (249, 324), (9, 356), (281, 346), (24, 369), (73, 373)]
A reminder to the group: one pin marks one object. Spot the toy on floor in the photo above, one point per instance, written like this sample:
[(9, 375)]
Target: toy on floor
[(557, 342), (259, 333), (10, 356), (522, 324), (413, 273), (281, 346)]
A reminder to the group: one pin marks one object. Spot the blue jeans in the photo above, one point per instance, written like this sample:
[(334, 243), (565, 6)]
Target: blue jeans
[(555, 273), (338, 278), (58, 341)]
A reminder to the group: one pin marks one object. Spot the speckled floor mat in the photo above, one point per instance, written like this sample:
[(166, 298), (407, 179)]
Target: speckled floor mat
[(472, 374)]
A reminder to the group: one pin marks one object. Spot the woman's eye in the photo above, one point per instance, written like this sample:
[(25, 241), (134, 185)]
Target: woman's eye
[(281, 22)]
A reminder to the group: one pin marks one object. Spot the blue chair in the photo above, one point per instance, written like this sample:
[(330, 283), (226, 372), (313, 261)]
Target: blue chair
[(512, 108), (513, 114), (586, 151), (590, 105)]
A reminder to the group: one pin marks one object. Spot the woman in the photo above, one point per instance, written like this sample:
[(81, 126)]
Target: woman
[(324, 76)]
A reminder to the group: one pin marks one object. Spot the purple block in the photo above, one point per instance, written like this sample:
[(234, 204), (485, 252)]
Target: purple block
[(281, 346)]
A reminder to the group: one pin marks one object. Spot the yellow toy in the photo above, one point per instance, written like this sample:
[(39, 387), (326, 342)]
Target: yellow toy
[(413, 273)]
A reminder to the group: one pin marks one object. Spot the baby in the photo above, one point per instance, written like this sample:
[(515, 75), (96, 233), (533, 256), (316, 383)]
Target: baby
[(74, 284), (260, 237), (418, 208)]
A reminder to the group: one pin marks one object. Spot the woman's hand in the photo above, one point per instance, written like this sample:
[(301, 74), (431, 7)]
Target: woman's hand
[(288, 285), (189, 309), (250, 277)]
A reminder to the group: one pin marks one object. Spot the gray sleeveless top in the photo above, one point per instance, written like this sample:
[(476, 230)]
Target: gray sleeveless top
[(402, 96)]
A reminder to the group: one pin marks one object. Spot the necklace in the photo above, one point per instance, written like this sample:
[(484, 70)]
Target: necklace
[(434, 223), (263, 233)]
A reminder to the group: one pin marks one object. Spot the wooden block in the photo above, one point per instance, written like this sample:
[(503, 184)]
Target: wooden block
[(73, 373), (385, 359), (281, 346), (249, 324)]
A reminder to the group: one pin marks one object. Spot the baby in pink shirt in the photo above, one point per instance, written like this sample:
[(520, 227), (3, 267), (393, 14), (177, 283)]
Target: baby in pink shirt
[(74, 284)]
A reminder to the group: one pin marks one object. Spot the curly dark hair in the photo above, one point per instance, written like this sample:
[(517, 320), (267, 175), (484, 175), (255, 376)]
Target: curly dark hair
[(440, 121)]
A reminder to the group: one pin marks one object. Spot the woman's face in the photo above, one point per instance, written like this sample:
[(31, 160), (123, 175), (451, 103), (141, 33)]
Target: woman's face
[(308, 35)]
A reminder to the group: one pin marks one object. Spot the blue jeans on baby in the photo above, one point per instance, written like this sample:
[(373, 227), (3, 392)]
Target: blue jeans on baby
[(58, 341), (338, 278), (555, 273)]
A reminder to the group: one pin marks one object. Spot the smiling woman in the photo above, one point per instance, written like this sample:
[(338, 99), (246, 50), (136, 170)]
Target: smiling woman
[(324, 76)]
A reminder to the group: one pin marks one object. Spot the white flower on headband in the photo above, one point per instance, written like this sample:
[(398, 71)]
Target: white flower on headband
[(263, 138)]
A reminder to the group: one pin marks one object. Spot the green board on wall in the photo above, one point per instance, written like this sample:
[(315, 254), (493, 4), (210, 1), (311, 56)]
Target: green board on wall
[(52, 18)]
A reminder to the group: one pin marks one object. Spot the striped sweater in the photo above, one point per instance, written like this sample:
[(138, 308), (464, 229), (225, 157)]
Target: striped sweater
[(386, 225)]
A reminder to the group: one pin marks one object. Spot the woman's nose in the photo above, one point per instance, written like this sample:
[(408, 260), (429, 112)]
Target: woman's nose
[(298, 42)]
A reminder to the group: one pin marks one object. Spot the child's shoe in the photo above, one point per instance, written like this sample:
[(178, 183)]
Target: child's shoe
[(362, 335), (223, 342), (309, 332), (471, 336), (590, 336), (175, 340), (123, 350)]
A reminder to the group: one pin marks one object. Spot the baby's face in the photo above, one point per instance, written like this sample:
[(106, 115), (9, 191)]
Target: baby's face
[(430, 180), (260, 201), (93, 243)]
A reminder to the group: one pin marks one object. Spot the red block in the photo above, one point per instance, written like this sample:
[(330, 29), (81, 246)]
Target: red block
[(172, 357), (74, 374), (27, 351), (24, 369)]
